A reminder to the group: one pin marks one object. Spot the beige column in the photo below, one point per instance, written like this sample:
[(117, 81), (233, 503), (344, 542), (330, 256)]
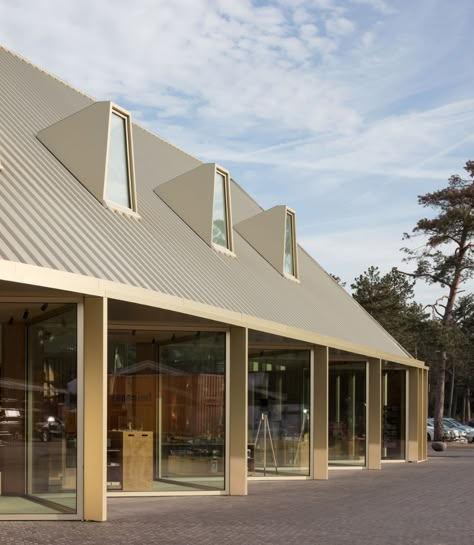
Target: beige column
[(319, 413), (414, 417), (425, 415), (238, 409), (95, 408), (374, 417)]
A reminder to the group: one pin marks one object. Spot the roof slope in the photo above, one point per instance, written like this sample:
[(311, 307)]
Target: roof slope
[(48, 219)]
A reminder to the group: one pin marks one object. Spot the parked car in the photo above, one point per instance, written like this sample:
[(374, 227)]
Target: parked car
[(468, 430), (449, 434), (50, 428), (11, 423), (458, 433)]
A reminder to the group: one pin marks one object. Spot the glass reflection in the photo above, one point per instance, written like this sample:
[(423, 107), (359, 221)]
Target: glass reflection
[(347, 413), (166, 411), (117, 185), (289, 260), (38, 408), (219, 218), (394, 414), (279, 417)]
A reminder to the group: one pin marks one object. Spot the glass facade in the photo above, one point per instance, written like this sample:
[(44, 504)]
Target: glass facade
[(289, 253), (166, 411), (394, 386), (38, 409), (219, 217), (117, 188), (347, 413), (279, 397)]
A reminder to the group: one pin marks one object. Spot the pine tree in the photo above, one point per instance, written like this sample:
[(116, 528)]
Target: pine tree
[(446, 258)]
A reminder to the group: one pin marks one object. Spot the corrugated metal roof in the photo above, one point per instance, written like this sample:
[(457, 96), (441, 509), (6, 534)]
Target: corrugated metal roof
[(48, 219)]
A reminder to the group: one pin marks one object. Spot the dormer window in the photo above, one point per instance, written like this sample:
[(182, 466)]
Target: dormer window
[(221, 211), (201, 198), (96, 145), (290, 245), (272, 233), (118, 185)]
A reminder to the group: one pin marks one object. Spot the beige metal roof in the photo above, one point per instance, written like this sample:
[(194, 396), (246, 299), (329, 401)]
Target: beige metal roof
[(48, 219)]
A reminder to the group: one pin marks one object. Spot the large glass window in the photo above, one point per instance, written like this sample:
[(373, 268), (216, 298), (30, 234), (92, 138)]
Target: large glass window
[(289, 245), (118, 183), (279, 413), (347, 413), (394, 414), (38, 409), (166, 411), (219, 218)]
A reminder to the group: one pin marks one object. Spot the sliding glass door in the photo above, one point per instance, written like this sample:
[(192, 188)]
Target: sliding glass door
[(39, 385), (394, 385), (166, 411), (347, 413), (279, 397)]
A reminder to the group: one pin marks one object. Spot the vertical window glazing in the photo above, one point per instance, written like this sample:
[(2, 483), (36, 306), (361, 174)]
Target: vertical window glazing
[(347, 413), (38, 409), (289, 246), (166, 411), (219, 218), (394, 414), (279, 413), (118, 178)]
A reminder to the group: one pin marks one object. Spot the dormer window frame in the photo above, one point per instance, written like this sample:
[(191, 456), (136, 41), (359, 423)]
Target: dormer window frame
[(294, 254), (129, 156), (229, 249)]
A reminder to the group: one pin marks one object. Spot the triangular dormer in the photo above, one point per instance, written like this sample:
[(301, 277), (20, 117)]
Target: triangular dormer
[(273, 234), (201, 198), (95, 145)]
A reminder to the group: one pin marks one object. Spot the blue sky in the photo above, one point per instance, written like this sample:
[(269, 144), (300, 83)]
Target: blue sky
[(345, 110)]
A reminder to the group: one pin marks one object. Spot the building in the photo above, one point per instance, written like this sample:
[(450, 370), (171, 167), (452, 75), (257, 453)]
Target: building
[(161, 333)]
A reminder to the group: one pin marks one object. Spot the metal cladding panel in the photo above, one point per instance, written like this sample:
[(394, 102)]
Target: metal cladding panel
[(48, 219)]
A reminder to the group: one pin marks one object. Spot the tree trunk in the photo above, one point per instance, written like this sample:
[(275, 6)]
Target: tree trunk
[(451, 395), (456, 402), (439, 399), (446, 321), (468, 415)]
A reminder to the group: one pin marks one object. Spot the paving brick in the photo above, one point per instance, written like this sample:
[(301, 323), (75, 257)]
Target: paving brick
[(409, 504)]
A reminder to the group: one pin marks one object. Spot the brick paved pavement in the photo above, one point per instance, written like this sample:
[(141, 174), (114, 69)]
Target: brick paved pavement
[(409, 504)]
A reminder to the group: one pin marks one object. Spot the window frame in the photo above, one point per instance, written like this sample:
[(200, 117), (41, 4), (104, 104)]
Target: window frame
[(294, 275), (229, 249), (132, 210)]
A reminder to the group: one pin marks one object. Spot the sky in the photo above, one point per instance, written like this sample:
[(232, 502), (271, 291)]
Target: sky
[(344, 110)]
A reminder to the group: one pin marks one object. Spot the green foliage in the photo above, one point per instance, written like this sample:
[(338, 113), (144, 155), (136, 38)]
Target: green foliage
[(338, 280), (447, 256), (389, 299)]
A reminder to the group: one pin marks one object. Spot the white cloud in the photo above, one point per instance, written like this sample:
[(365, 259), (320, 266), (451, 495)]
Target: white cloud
[(332, 102), (219, 58), (339, 26), (379, 5)]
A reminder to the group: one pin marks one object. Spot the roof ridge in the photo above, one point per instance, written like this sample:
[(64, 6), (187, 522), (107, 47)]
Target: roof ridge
[(70, 86), (51, 75)]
